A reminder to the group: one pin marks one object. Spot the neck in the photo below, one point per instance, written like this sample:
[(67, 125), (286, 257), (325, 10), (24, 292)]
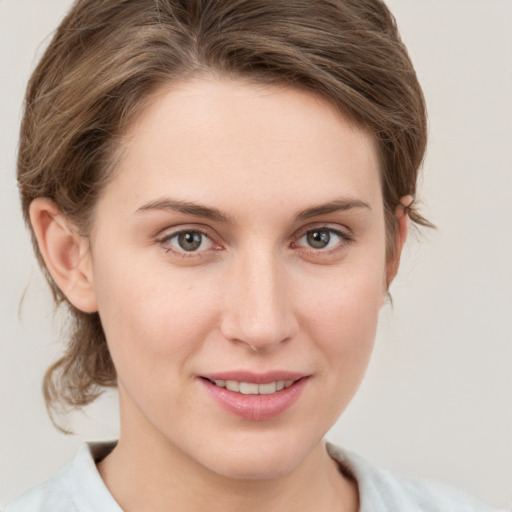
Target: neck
[(147, 473), (149, 481)]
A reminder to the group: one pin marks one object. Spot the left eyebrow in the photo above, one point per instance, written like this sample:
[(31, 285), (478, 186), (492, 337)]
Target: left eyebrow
[(332, 206)]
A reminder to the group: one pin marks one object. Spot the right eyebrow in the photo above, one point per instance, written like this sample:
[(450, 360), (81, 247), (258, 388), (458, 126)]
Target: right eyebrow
[(186, 207)]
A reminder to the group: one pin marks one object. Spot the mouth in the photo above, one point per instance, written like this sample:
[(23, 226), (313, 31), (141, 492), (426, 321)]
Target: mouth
[(253, 388), (255, 397)]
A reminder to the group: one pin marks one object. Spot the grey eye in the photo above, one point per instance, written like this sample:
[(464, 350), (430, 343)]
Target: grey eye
[(318, 238), (322, 238), (189, 240)]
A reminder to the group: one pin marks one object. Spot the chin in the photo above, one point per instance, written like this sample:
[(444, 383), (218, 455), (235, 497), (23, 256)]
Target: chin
[(259, 468), (259, 460)]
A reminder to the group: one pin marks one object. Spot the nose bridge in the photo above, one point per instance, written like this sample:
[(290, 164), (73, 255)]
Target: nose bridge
[(259, 311)]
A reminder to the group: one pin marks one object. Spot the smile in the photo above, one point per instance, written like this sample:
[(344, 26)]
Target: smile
[(252, 388), (255, 397)]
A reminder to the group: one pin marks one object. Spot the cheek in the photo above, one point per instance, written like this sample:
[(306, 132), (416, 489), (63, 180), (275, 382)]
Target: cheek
[(151, 317), (342, 315)]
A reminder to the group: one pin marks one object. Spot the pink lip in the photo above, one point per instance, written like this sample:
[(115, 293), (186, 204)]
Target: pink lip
[(256, 378), (255, 407)]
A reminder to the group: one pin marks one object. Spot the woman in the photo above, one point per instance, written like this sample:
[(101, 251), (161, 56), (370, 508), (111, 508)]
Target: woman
[(220, 192)]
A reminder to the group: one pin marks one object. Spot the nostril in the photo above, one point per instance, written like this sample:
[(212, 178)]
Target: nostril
[(262, 344)]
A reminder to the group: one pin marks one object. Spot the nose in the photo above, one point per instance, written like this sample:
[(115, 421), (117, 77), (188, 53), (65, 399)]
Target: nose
[(258, 303)]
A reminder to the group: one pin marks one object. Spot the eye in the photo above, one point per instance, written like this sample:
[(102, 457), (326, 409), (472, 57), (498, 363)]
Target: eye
[(322, 238), (187, 241)]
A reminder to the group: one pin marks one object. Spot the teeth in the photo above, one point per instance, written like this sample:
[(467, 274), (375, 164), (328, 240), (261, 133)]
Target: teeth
[(247, 388), (233, 385), (267, 389), (251, 388)]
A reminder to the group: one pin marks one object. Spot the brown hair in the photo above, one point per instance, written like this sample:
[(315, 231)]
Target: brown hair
[(108, 56)]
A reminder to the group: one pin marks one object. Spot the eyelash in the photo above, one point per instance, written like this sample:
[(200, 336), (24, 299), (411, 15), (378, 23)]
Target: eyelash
[(344, 239), (182, 253)]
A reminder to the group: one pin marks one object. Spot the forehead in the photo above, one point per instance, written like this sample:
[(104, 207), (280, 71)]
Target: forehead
[(215, 137)]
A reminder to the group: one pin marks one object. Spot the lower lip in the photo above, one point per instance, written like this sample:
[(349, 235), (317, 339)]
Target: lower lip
[(256, 407)]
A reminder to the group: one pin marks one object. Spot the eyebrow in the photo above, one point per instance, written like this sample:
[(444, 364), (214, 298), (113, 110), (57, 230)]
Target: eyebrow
[(336, 205), (188, 208), (213, 214)]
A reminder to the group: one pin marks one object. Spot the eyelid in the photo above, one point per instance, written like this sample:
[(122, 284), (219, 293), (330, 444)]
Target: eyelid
[(168, 231), (167, 234), (342, 231), (345, 234)]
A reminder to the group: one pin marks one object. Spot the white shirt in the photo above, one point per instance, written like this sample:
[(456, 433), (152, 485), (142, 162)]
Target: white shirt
[(80, 488)]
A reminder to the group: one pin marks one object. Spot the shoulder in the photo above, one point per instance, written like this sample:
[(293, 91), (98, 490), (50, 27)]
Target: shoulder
[(77, 488), (381, 491), (55, 494)]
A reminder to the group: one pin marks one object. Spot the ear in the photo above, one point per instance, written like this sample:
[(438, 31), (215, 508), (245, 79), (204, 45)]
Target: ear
[(400, 238), (65, 253)]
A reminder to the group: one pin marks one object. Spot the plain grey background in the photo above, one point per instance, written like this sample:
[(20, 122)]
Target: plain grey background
[(437, 401)]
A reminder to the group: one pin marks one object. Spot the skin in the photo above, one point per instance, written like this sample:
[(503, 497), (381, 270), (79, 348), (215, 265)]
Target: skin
[(255, 295)]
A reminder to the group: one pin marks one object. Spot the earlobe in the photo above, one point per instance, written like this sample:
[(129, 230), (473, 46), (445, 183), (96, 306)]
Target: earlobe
[(65, 253), (400, 237)]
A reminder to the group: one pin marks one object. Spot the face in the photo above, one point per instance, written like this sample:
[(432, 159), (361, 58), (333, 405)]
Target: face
[(239, 250)]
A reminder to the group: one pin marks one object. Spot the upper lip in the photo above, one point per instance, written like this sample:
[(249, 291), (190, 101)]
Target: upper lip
[(252, 377)]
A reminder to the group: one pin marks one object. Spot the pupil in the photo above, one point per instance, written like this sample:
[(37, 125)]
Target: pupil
[(318, 239), (189, 241)]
